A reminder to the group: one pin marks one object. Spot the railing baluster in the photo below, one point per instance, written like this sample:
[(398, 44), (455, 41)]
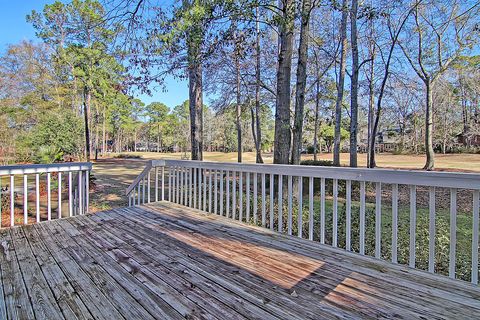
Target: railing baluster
[(1, 202), (310, 208), (475, 224), (199, 180), (12, 200), (395, 223), (453, 232), (49, 196), (272, 190), (348, 218), (138, 193), (335, 214), (190, 187), (431, 230), (178, 185), (148, 186), (210, 190), (80, 196), (25, 199), (240, 196), (221, 192), (60, 195), (280, 203), (204, 179), (156, 184), (87, 192), (143, 190), (300, 207), (70, 198), (163, 183), (378, 219), (234, 194), (170, 184), (264, 217), (289, 216), (247, 200), (227, 191), (362, 217), (255, 198), (413, 225), (185, 186), (215, 194), (322, 210), (194, 188)]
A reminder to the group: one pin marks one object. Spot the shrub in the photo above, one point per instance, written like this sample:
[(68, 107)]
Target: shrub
[(320, 163), (127, 156)]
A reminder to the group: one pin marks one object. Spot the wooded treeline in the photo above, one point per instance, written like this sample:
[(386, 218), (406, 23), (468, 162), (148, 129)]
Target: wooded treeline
[(334, 75)]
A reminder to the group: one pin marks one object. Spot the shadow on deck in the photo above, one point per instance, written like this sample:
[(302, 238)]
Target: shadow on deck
[(165, 261)]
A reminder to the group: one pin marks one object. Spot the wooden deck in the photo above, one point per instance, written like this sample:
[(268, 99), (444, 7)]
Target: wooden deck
[(165, 261)]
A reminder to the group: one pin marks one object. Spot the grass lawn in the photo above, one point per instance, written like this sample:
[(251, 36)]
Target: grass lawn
[(443, 162)]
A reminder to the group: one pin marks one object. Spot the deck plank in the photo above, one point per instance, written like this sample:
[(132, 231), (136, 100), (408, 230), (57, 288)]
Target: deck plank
[(124, 276), (68, 299), (43, 301), (128, 307), (402, 293), (209, 278), (458, 291), (299, 301), (365, 305), (93, 298), (17, 303), (166, 261), (170, 271)]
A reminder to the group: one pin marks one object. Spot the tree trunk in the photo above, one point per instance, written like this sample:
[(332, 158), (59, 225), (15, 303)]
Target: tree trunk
[(196, 109), (97, 133), (104, 133), (238, 109), (301, 83), (134, 140), (158, 138), (282, 111), (317, 110), (258, 135), (430, 162), (340, 85), (354, 86), (86, 113), (371, 104)]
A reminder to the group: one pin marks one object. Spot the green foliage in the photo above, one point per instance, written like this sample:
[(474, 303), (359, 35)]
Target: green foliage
[(322, 163), (47, 154), (57, 134)]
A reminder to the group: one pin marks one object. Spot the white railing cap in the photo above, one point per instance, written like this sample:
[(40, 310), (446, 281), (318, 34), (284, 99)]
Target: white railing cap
[(44, 168), (389, 176)]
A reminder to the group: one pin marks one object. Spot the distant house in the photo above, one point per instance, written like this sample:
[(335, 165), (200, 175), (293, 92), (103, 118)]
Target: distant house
[(472, 140)]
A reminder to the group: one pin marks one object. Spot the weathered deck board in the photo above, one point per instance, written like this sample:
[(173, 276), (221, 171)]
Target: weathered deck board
[(165, 261)]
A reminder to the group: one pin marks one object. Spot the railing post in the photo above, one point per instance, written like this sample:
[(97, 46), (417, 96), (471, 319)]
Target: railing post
[(87, 190), (163, 183)]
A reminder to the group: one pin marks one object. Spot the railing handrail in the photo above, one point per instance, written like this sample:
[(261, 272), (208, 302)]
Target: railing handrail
[(139, 178), (392, 176), (44, 168)]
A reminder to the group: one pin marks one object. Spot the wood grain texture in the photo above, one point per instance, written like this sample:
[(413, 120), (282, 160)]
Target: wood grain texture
[(166, 261)]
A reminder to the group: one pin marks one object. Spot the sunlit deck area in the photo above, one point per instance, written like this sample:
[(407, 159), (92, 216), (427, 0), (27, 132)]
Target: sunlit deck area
[(166, 261)]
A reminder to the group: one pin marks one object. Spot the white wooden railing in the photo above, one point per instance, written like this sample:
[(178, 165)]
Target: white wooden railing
[(407, 217), (27, 193)]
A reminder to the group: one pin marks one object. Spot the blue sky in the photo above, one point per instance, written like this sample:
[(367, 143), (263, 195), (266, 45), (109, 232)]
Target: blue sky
[(14, 29)]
